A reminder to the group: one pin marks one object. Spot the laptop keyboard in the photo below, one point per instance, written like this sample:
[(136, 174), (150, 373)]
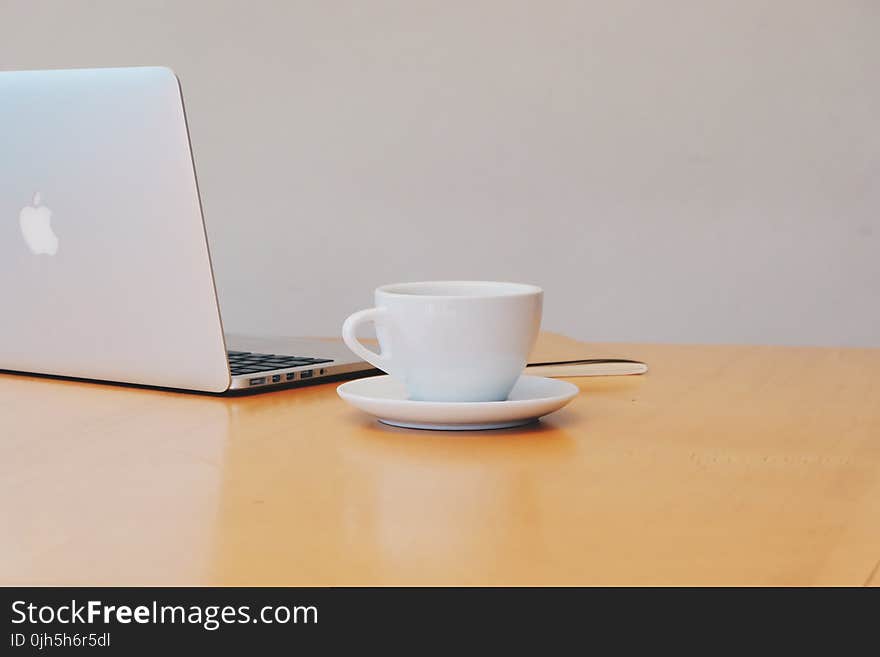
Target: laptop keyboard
[(247, 362)]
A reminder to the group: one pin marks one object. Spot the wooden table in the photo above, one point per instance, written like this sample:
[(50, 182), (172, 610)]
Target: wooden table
[(723, 465)]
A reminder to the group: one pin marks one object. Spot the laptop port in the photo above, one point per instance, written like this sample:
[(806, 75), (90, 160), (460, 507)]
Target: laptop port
[(276, 378), (258, 381), (321, 371), (307, 374), (291, 376)]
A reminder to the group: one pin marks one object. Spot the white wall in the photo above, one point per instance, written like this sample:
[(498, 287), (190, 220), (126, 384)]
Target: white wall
[(669, 171)]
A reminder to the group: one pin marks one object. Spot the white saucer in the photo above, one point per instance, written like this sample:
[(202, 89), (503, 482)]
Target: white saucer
[(384, 397)]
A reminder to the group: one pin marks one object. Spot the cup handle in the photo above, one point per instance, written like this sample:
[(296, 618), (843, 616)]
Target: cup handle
[(349, 336)]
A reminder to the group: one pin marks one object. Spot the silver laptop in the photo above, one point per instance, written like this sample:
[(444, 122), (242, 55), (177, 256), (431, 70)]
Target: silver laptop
[(105, 272)]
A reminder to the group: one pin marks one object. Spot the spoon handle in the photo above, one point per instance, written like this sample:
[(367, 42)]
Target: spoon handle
[(588, 367)]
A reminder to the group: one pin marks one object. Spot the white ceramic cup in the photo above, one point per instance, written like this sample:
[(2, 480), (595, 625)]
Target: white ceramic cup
[(454, 341)]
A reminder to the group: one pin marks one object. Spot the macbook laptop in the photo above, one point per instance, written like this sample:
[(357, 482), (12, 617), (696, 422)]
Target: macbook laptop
[(105, 271)]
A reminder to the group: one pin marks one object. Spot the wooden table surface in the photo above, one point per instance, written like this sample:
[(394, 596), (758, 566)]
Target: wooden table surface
[(723, 465)]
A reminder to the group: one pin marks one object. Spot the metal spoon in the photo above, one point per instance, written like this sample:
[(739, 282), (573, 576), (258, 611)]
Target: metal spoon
[(587, 367)]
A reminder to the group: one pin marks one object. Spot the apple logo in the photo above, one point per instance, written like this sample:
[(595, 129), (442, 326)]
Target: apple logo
[(36, 228)]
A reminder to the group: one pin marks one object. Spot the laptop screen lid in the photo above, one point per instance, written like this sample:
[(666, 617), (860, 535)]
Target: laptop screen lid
[(104, 265)]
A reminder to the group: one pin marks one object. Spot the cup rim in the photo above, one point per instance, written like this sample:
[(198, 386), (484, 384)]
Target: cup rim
[(505, 289)]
